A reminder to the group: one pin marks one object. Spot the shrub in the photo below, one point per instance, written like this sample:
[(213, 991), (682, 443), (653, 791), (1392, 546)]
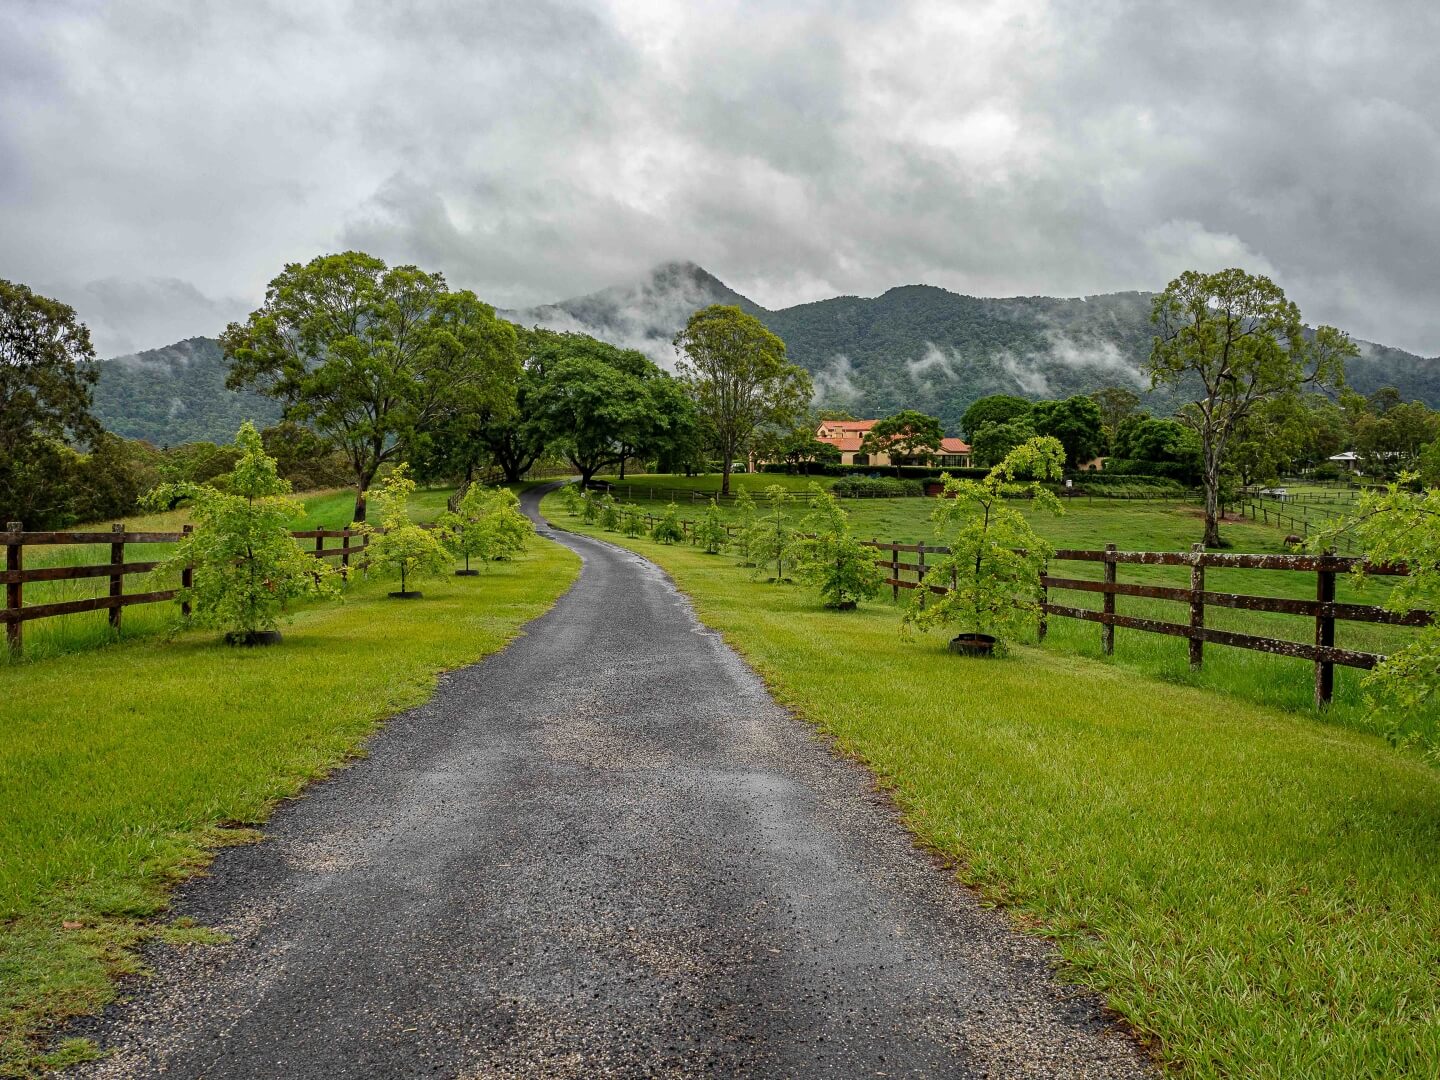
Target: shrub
[(400, 547), (668, 529), (246, 565), (589, 507), (992, 570), (875, 487), (830, 559)]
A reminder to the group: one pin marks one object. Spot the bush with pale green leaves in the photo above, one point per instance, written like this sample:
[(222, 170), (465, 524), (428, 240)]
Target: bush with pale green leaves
[(247, 568), (829, 558), (992, 571), (574, 499), (399, 547), (487, 525), (1397, 525), (631, 523)]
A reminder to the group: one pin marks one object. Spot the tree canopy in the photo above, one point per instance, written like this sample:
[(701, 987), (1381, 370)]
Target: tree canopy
[(46, 375), (994, 409), (738, 375), (1243, 342), (906, 434), (373, 356)]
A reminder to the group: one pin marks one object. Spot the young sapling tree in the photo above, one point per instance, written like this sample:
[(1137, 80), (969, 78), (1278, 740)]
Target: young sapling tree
[(746, 516), (828, 557), (589, 507), (486, 525), (401, 548), (573, 498), (668, 529), (772, 535), (609, 514), (992, 570), (630, 520), (246, 566), (710, 530)]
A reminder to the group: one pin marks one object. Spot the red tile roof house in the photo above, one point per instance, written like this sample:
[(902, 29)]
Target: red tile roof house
[(848, 434)]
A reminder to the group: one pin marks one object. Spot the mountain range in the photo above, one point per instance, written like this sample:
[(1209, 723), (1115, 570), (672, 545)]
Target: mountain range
[(914, 346)]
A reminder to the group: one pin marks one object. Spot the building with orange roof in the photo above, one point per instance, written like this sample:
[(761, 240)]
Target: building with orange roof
[(848, 435)]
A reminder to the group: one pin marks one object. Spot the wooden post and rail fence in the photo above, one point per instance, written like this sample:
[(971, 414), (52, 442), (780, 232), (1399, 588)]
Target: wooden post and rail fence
[(15, 614), (1324, 611)]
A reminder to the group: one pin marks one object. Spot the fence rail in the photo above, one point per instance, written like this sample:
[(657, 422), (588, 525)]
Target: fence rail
[(1324, 610), (15, 576)]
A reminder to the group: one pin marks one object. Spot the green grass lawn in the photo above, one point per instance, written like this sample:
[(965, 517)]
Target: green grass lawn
[(1256, 891), (118, 765), (1142, 525), (91, 629)]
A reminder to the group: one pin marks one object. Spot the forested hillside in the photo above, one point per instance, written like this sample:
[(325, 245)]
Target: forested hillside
[(175, 395), (915, 346)]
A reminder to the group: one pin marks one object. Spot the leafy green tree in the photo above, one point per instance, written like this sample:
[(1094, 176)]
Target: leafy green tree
[(994, 440), (599, 404), (109, 481), (609, 515), (401, 548), (746, 520), (737, 372), (247, 568), (308, 460), (992, 570), (373, 357), (589, 507), (994, 409), (487, 524), (710, 530), (631, 523), (46, 375), (828, 557), (1239, 337), (1158, 448), (1117, 404), (906, 434), (1390, 443), (1397, 525), (573, 496), (772, 535), (669, 530), (1076, 422)]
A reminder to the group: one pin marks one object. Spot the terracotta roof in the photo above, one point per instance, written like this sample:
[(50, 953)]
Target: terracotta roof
[(954, 446)]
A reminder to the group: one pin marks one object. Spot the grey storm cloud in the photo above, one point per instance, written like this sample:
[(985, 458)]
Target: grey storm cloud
[(160, 162)]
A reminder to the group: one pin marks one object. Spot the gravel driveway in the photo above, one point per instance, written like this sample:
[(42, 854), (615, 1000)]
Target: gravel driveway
[(604, 851)]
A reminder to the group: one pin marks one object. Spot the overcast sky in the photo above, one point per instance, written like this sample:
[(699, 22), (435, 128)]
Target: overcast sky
[(160, 162)]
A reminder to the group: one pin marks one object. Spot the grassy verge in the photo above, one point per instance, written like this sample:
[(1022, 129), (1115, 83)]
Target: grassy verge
[(1261, 678), (120, 769), (1254, 890)]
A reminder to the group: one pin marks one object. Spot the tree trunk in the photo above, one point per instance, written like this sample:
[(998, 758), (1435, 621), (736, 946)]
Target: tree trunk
[(359, 504), (1212, 504), (622, 467)]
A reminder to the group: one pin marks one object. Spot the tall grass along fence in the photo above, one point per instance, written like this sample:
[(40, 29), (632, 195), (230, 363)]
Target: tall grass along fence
[(15, 614), (1324, 611)]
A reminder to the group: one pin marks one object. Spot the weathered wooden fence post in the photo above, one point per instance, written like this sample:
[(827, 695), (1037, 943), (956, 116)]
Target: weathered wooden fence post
[(14, 589), (345, 537), (117, 576), (1107, 628), (1043, 627), (1325, 634), (1197, 605), (187, 575), (920, 570)]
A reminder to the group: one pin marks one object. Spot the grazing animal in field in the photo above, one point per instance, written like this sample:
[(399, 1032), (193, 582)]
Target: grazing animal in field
[(1294, 541)]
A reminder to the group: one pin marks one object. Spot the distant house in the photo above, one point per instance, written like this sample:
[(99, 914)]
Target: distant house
[(847, 435), (1348, 460)]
